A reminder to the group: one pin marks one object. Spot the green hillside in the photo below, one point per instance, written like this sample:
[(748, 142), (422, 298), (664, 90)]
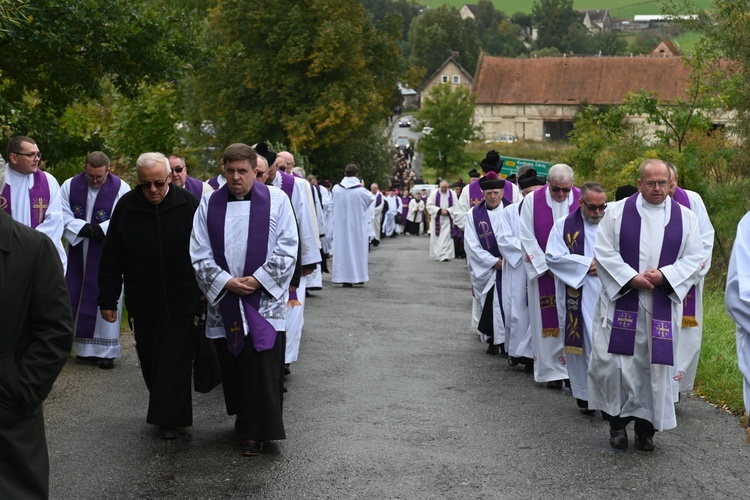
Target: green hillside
[(622, 9)]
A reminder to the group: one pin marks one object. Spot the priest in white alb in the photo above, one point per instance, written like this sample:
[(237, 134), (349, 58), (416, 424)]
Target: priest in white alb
[(440, 206), (570, 257), (377, 213), (648, 253)]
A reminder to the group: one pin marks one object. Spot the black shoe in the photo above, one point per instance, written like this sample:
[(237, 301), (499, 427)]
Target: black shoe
[(502, 351), (88, 359), (586, 411), (555, 384), (493, 349), (168, 433), (348, 285), (618, 439), (644, 443), (106, 363), (513, 361), (252, 447), (287, 370)]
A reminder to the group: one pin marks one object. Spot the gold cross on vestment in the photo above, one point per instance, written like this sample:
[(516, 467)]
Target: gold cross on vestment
[(41, 206), (486, 233), (662, 329), (625, 320)]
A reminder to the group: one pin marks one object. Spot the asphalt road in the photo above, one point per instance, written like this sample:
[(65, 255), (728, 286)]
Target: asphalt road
[(393, 397)]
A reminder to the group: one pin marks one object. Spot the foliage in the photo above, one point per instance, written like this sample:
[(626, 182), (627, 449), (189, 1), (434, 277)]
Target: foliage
[(609, 43), (554, 18), (502, 40), (449, 112), (438, 33)]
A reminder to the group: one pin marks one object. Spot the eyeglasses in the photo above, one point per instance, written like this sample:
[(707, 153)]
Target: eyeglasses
[(653, 184), (260, 173), (594, 208), (96, 178), (29, 155), (556, 189), (157, 184), (178, 169)]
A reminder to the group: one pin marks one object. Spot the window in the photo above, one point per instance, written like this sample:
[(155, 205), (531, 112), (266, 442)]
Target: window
[(456, 79), (445, 78)]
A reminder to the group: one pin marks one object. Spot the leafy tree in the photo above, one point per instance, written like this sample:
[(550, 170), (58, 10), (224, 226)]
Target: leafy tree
[(487, 15), (449, 112), (609, 43), (502, 40), (645, 42), (437, 33), (553, 19), (522, 19)]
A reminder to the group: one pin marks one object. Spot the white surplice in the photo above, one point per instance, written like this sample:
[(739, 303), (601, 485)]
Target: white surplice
[(482, 272), (441, 246), (20, 205), (689, 343), (275, 273), (632, 385), (515, 300), (351, 226), (737, 297), (377, 214), (572, 270), (464, 203), (549, 358), (106, 340), (389, 222), (327, 200)]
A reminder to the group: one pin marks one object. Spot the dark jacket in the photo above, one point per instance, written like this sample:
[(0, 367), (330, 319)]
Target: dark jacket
[(36, 335), (148, 246)]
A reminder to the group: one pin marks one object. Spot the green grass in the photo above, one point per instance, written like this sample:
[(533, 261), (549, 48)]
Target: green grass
[(686, 42), (621, 9), (718, 379)]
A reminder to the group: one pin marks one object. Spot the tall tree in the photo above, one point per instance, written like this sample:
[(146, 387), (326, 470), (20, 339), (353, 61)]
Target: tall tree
[(553, 19), (437, 33), (449, 112)]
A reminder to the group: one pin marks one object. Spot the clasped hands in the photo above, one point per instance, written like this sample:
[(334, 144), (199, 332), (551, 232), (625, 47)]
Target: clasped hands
[(242, 286), (648, 280)]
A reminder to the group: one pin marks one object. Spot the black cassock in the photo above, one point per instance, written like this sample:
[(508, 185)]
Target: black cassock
[(36, 336)]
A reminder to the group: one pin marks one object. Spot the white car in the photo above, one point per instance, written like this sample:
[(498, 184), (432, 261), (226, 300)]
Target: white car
[(507, 138)]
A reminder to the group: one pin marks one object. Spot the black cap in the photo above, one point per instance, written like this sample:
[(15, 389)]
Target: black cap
[(625, 191), (491, 181), (262, 149), (529, 179), (492, 162), (473, 174)]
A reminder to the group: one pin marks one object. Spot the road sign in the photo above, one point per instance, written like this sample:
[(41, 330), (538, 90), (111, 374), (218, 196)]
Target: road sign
[(510, 166)]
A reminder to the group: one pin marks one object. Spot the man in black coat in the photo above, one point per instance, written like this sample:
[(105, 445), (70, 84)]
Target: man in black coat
[(147, 247), (36, 335)]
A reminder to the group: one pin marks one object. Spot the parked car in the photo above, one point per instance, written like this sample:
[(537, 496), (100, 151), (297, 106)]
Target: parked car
[(417, 188), (506, 138), (404, 122)]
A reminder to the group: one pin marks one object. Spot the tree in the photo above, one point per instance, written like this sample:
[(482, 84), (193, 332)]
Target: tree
[(449, 112), (609, 43), (553, 19), (502, 40), (437, 33)]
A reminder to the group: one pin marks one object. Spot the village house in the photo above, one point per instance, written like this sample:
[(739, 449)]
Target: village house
[(597, 21), (537, 99), (449, 72)]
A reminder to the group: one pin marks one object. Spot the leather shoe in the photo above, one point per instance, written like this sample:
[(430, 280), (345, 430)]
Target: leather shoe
[(348, 285), (252, 447), (644, 443), (618, 439), (168, 433), (555, 384), (493, 349), (106, 363)]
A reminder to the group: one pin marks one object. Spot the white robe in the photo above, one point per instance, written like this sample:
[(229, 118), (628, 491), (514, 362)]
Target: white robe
[(464, 204), (515, 300), (295, 321), (416, 211), (106, 340), (632, 385), (327, 200), (689, 343), (389, 223), (350, 246), (737, 297), (53, 225), (549, 358), (572, 270), (377, 212), (274, 275), (482, 272), (441, 247)]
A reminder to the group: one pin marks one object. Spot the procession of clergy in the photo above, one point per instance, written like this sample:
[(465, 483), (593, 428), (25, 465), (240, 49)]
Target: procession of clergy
[(604, 298)]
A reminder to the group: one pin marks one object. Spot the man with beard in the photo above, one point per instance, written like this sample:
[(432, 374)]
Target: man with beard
[(570, 257)]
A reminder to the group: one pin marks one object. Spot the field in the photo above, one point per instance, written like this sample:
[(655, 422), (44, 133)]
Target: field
[(621, 9)]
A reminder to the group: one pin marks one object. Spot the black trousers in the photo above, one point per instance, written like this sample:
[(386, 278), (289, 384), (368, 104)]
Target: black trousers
[(642, 426), (24, 463), (165, 350), (253, 388)]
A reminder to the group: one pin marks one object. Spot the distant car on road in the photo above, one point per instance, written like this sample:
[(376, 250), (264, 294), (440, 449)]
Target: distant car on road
[(404, 122), (506, 138), (402, 143)]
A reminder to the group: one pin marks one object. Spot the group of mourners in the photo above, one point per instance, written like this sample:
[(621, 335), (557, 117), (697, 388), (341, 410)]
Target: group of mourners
[(602, 297), (213, 274)]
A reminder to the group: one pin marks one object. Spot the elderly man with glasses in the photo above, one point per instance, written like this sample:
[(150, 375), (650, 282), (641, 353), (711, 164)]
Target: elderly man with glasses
[(181, 178), (88, 200), (147, 248), (32, 196), (538, 214)]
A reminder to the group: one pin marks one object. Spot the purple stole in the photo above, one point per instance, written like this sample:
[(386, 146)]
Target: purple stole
[(437, 204), (287, 183), (213, 182), (622, 339), (405, 207), (488, 242), (688, 305), (38, 198), (378, 199), (262, 333), (574, 234), (543, 222), (83, 286), (195, 186), (476, 196)]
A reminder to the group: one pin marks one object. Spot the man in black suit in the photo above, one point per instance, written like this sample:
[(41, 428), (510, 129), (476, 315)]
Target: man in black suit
[(36, 335)]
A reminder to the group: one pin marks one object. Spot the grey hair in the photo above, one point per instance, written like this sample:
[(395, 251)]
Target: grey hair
[(152, 160), (560, 172), (299, 171), (652, 161), (594, 187), (261, 159), (3, 172)]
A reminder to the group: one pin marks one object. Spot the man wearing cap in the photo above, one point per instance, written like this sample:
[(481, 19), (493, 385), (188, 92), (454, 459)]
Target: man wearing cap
[(440, 206), (538, 214), (483, 228), (570, 257), (181, 179), (648, 253), (88, 200), (515, 300), (244, 249)]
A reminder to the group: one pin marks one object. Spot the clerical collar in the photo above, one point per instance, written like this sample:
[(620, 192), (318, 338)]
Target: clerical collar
[(240, 198)]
